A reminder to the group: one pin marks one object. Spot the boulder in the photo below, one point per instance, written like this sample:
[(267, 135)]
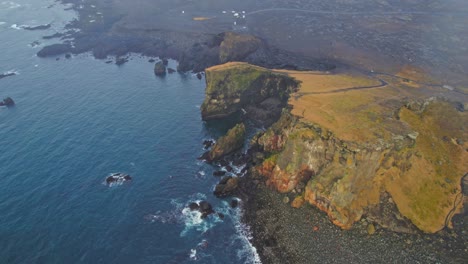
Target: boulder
[(234, 203), (208, 143), (170, 70), (193, 206), (226, 187), (219, 173), (7, 102), (205, 209), (160, 69)]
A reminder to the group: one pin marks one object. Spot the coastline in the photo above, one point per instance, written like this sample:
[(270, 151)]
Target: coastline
[(314, 239), (264, 210)]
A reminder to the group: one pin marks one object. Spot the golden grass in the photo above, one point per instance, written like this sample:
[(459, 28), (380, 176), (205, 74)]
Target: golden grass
[(201, 18)]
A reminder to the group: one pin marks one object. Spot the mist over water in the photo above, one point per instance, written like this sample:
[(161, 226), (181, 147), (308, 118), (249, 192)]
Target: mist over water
[(78, 120)]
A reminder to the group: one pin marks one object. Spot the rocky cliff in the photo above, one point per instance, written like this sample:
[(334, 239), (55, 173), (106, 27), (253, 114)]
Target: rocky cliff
[(234, 86), (355, 152)]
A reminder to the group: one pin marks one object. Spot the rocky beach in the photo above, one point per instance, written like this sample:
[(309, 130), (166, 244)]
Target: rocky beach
[(349, 142)]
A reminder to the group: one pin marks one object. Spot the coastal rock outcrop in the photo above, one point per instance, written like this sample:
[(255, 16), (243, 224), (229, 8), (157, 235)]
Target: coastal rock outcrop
[(232, 141), (400, 184), (226, 187), (232, 87), (160, 69), (7, 102)]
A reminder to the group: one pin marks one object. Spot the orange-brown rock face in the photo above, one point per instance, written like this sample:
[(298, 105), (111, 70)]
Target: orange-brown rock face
[(402, 184)]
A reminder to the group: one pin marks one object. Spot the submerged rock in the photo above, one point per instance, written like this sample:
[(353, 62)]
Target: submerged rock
[(7, 74), (7, 102), (118, 178)]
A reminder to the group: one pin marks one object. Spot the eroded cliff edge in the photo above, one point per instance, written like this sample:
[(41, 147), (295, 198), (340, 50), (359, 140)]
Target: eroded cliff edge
[(354, 145)]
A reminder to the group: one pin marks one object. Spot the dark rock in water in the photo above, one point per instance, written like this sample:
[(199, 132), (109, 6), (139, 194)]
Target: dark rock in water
[(54, 49), (208, 143), (68, 56), (229, 168), (118, 177), (40, 27), (223, 163), (245, 169), (7, 102), (7, 74), (193, 206), (170, 70), (35, 43), (226, 187), (109, 61), (234, 203), (199, 76), (160, 69), (219, 173), (56, 35), (205, 156), (205, 208), (57, 59), (221, 216), (121, 60), (110, 179), (151, 60), (165, 62)]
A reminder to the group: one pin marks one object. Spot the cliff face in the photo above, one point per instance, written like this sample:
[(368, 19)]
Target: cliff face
[(353, 146), (403, 183), (233, 86)]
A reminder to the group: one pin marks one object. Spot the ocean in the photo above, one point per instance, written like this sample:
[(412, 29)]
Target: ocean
[(76, 121)]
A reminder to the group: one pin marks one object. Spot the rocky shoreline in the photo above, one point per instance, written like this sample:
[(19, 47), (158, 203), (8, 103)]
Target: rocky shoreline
[(289, 157), (194, 50), (281, 233)]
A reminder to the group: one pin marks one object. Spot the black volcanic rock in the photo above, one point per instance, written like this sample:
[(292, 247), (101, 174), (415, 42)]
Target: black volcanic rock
[(7, 102), (226, 187), (193, 206), (219, 173), (54, 49), (7, 74)]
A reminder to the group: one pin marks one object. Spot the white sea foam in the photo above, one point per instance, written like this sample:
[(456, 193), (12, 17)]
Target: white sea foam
[(2, 23), (10, 4), (15, 26), (193, 254), (248, 253), (11, 72)]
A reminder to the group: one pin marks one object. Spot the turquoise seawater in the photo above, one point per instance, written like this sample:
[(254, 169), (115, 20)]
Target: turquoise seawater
[(77, 120)]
